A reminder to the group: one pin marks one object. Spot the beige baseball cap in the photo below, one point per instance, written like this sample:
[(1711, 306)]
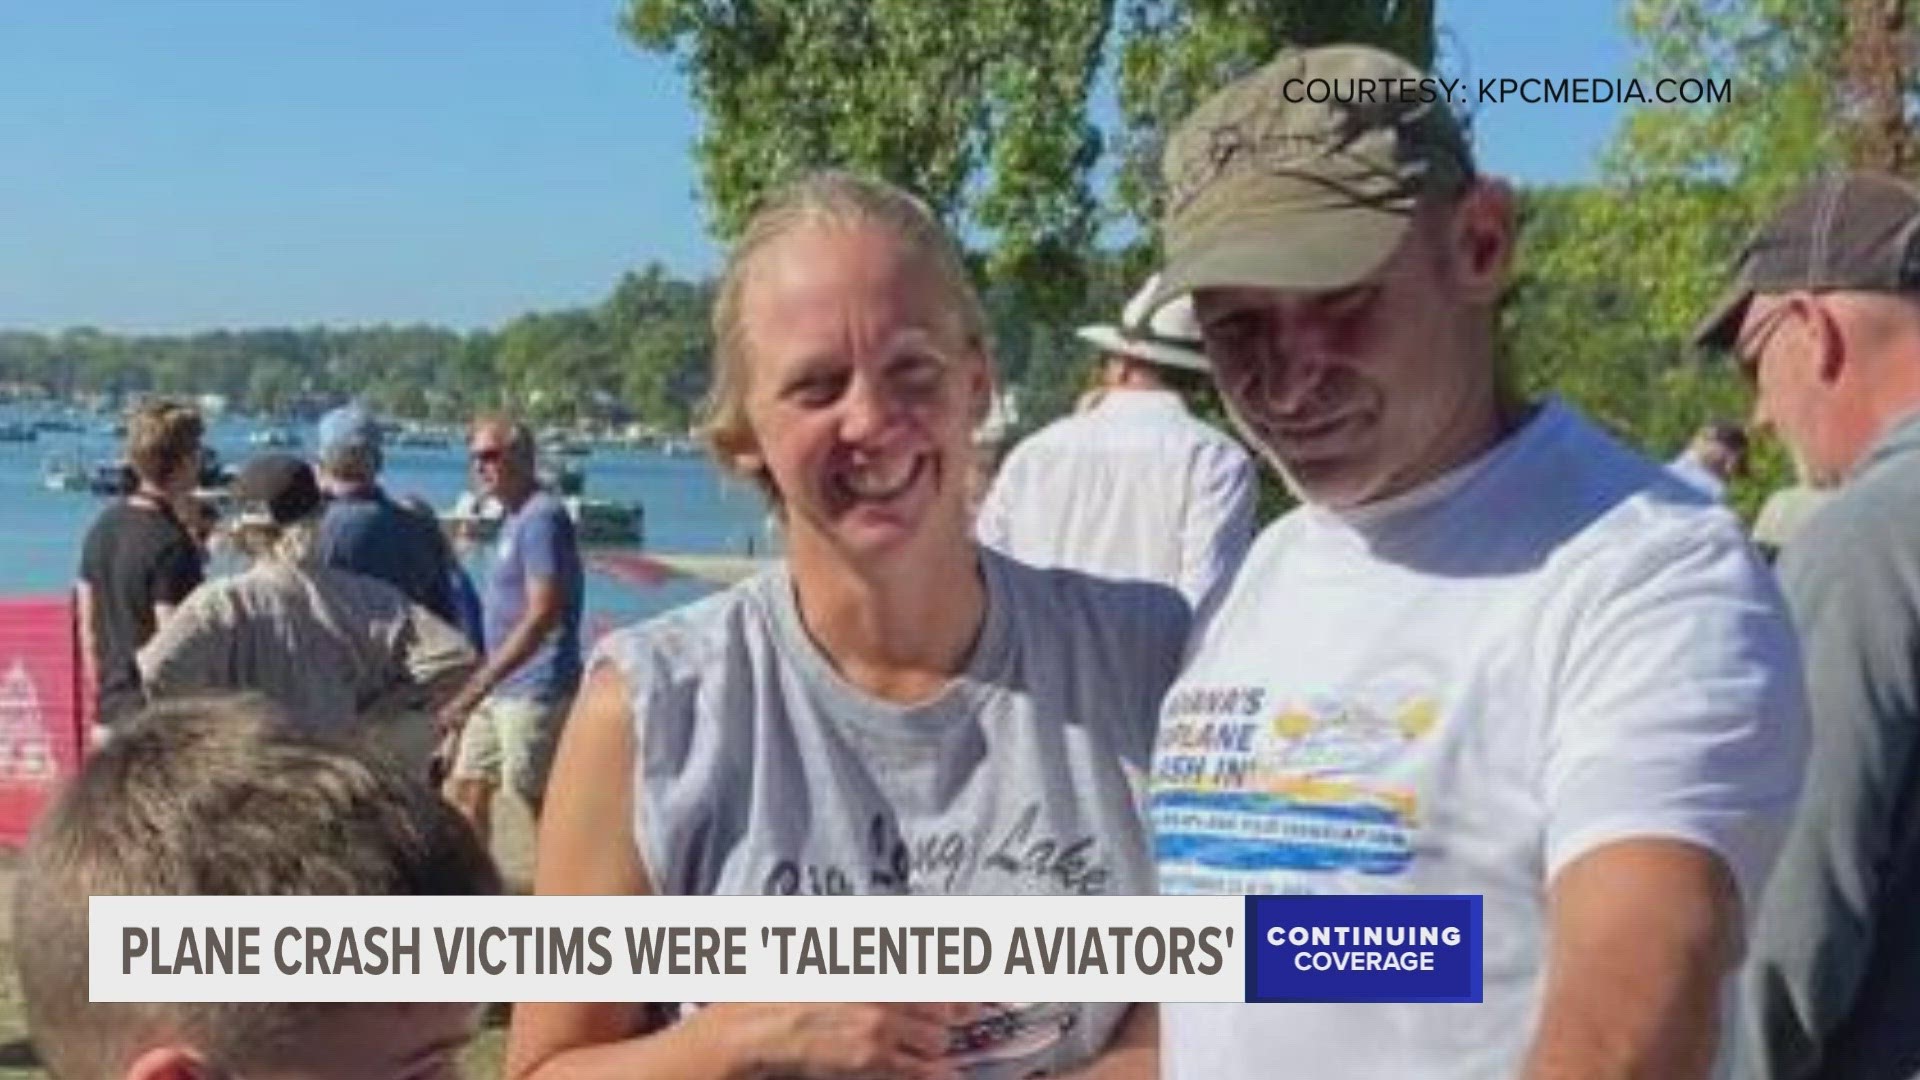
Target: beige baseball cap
[(1305, 174)]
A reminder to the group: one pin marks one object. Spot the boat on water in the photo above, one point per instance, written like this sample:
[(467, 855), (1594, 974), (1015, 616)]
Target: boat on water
[(110, 479), (65, 472), (415, 438), (274, 438), (596, 521), (562, 445)]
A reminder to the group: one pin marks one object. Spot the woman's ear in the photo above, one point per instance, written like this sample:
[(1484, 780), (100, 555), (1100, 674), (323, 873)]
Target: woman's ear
[(738, 451), (980, 387)]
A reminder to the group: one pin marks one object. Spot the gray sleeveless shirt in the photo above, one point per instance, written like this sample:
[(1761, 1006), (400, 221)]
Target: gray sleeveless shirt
[(761, 771)]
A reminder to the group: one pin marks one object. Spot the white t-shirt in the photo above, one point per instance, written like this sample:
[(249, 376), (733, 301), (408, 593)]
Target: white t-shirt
[(1688, 468), (1461, 691), (1133, 488)]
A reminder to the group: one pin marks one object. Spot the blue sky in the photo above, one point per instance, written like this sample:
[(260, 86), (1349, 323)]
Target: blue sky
[(184, 164)]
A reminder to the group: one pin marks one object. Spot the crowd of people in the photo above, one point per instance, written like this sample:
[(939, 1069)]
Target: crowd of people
[(1492, 651), (353, 613)]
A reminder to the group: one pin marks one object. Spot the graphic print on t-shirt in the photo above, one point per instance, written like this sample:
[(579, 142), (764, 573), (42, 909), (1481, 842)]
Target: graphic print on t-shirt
[(1253, 789)]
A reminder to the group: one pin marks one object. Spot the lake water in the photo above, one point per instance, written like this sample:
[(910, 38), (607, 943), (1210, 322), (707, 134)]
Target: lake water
[(689, 509)]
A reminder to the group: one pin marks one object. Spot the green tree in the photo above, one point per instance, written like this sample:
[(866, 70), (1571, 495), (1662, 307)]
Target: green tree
[(1612, 278), (981, 109)]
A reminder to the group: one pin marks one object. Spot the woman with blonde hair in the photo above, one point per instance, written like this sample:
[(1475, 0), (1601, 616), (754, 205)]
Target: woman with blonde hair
[(891, 709)]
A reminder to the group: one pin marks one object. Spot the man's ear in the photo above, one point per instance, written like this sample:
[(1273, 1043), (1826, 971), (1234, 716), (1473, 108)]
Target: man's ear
[(171, 1063), (1483, 237), (1830, 343)]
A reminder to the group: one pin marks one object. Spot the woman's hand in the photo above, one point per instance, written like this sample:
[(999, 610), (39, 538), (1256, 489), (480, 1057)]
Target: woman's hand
[(833, 1041)]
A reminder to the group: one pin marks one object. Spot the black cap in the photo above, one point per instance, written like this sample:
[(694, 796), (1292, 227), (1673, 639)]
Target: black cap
[(1850, 230), (276, 489)]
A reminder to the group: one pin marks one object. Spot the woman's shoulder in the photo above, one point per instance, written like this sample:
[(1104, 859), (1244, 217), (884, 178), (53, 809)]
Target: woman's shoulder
[(1134, 615), (692, 639)]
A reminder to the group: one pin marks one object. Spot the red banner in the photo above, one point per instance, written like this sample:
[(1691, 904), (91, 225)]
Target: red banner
[(41, 708)]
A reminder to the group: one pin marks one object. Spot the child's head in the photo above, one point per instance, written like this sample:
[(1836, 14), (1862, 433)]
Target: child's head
[(219, 796)]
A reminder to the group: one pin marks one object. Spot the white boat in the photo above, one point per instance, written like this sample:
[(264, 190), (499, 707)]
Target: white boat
[(595, 521), (274, 438), (64, 472), (606, 521)]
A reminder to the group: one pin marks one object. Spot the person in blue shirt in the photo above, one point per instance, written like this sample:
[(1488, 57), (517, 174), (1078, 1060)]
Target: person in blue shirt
[(364, 530), (508, 716), (466, 598)]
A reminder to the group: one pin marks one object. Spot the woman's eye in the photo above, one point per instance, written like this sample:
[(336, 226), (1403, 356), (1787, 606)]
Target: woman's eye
[(816, 391)]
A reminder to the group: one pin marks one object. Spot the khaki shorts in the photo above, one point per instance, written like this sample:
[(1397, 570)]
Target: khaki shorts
[(511, 740)]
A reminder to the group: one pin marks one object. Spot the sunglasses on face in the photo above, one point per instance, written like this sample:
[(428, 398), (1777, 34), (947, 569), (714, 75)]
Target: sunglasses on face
[(489, 455)]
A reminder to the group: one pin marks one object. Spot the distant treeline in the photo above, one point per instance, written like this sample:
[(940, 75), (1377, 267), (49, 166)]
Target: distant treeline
[(640, 353), (1577, 323)]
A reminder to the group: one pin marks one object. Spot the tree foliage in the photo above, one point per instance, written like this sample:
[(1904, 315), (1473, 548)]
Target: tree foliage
[(640, 354), (1614, 276), (980, 109)]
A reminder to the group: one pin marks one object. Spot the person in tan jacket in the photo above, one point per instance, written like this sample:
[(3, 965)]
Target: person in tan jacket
[(337, 650)]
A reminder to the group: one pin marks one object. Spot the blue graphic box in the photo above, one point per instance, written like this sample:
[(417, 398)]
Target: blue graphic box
[(1364, 948)]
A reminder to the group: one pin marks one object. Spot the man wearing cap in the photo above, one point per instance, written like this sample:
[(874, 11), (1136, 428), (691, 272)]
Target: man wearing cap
[(1133, 486), (1824, 317), (1494, 651), (340, 651), (367, 532)]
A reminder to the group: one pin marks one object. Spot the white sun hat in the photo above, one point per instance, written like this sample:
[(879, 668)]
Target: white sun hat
[(1172, 336)]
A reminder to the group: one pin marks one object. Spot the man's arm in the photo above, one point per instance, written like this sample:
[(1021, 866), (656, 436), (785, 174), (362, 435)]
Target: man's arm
[(546, 600), (1641, 936), (83, 614), (1218, 524), (438, 661), (189, 653), (542, 545), (1815, 934), (1673, 758)]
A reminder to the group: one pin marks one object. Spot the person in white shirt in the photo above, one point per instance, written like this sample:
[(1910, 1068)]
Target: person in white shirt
[(1716, 457), (1493, 652), (1132, 486)]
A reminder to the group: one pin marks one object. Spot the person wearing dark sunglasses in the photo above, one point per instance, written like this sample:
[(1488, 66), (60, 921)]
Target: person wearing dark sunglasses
[(501, 728)]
